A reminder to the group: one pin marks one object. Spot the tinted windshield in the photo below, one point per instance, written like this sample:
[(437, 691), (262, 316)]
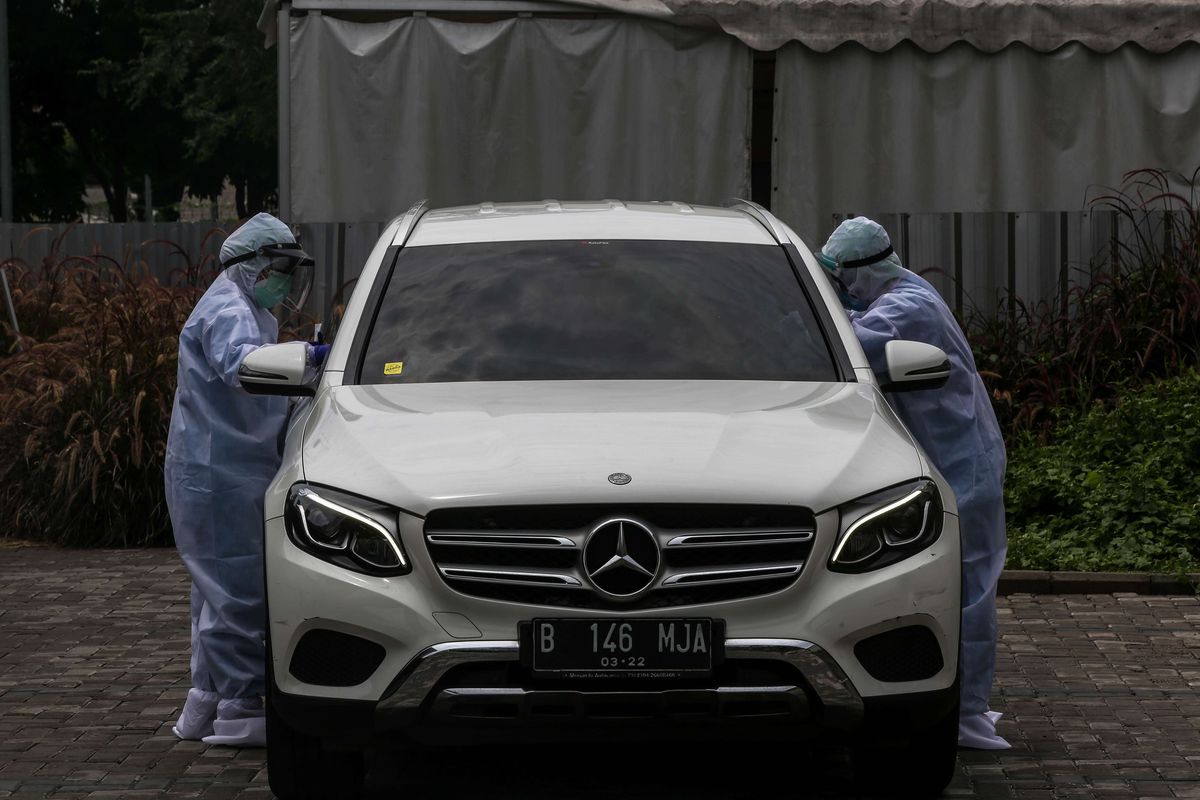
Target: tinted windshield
[(572, 310)]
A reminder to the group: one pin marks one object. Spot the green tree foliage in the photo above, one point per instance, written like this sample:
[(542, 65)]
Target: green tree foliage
[(209, 56), (73, 63), (109, 90)]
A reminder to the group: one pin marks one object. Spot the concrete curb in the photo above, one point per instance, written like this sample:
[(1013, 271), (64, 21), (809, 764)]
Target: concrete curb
[(1032, 581)]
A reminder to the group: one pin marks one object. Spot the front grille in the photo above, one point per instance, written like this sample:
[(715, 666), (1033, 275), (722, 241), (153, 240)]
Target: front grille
[(332, 658), (910, 653), (533, 554)]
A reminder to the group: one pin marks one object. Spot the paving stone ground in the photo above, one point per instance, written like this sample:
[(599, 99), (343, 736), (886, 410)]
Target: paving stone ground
[(1101, 695)]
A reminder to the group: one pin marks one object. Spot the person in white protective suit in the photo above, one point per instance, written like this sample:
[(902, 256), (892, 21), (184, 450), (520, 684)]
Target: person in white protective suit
[(222, 451), (955, 426)]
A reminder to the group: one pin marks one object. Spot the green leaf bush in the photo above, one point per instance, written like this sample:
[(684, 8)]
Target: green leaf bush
[(1113, 489)]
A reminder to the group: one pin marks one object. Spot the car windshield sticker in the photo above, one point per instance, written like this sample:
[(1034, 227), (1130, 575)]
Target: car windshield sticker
[(393, 368)]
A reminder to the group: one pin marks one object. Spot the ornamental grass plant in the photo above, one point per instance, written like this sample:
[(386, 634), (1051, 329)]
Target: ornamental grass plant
[(86, 391), (1136, 322)]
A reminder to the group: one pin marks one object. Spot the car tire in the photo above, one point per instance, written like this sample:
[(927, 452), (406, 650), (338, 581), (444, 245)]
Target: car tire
[(920, 765), (299, 768)]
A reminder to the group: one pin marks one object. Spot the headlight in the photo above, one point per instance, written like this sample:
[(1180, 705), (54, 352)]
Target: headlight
[(345, 530), (887, 526)]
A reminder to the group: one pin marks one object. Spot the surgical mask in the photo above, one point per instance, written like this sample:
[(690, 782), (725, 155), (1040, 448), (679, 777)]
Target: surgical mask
[(270, 292)]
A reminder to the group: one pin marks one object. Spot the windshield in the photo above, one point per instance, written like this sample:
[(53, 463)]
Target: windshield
[(594, 310)]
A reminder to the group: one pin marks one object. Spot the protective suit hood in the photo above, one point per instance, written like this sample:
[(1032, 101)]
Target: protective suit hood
[(260, 230), (859, 253)]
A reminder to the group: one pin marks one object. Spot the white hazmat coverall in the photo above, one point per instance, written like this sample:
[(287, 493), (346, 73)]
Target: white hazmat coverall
[(955, 426), (222, 452)]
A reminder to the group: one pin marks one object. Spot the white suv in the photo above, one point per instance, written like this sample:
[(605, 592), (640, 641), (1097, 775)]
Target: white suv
[(587, 470)]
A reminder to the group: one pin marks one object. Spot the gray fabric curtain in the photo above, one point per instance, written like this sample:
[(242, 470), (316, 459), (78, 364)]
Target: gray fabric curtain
[(386, 113), (960, 130)]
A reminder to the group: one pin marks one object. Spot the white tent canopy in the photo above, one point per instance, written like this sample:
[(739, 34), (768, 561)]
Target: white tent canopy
[(915, 132), (878, 25), (878, 105), (387, 113)]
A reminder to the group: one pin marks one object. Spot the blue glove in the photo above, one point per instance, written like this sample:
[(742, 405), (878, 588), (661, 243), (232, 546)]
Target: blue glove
[(317, 353)]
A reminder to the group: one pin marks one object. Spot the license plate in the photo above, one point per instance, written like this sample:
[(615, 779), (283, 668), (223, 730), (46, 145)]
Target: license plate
[(615, 647)]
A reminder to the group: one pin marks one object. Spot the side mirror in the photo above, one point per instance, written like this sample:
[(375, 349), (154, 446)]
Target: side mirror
[(915, 365), (277, 369)]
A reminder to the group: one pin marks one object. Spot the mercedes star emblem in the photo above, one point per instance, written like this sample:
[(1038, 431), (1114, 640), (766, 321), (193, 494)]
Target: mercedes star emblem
[(619, 478), (621, 558)]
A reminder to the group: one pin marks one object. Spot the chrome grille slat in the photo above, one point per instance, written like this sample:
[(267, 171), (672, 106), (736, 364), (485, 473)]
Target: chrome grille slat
[(705, 538), (555, 580), (508, 539), (710, 577)]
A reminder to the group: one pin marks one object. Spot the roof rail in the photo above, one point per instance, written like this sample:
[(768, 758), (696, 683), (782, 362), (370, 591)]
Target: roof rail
[(764, 217), (408, 221)]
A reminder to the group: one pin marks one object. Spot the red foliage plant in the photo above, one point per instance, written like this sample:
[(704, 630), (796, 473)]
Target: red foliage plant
[(1137, 321)]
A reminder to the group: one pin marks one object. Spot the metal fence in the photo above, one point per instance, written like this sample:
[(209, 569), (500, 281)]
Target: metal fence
[(984, 262), (978, 261), (177, 252)]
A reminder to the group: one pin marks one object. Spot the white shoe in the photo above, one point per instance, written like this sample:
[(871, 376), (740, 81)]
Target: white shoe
[(196, 719), (240, 723), (978, 731)]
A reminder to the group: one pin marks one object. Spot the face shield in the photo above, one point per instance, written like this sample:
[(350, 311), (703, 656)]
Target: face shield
[(287, 278), (855, 278)]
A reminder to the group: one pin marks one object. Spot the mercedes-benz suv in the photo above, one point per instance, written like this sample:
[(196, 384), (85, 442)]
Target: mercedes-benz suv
[(580, 470)]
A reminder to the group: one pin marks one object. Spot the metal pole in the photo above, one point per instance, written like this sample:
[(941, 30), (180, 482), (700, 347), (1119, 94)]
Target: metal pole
[(8, 303), (148, 213), (284, 45), (6, 182)]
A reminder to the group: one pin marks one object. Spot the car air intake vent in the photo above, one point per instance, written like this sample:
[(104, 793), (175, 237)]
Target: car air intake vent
[(911, 653), (696, 553), (331, 658)]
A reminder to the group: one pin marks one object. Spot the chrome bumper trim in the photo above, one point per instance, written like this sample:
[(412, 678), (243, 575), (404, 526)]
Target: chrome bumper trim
[(841, 701), (723, 702), (422, 673), (842, 707)]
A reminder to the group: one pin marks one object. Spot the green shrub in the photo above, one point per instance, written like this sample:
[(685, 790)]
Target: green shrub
[(1113, 489), (85, 402)]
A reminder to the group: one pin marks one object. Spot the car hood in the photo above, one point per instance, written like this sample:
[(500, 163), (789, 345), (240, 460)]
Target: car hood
[(426, 446)]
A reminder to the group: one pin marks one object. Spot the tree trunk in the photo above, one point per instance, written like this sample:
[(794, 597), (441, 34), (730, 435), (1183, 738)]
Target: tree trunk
[(239, 195), (256, 198), (120, 195), (83, 142)]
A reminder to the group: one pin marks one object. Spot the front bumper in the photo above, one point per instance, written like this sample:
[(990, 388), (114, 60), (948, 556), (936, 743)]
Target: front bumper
[(840, 704), (450, 659), (419, 699), (420, 708)]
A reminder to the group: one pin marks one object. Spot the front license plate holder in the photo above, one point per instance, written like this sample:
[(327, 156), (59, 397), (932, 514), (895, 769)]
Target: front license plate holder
[(608, 647)]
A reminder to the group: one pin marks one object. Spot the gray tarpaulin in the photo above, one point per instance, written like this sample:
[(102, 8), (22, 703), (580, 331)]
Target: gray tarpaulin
[(966, 131), (989, 25), (386, 113)]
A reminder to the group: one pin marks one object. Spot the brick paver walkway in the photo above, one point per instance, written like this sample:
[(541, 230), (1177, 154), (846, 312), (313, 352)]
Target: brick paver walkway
[(1101, 695)]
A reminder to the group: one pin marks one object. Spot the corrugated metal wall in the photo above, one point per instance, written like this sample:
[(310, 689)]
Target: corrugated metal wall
[(983, 262), (977, 261), (177, 252)]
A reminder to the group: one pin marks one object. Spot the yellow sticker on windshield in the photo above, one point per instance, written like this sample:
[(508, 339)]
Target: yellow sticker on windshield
[(393, 368)]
